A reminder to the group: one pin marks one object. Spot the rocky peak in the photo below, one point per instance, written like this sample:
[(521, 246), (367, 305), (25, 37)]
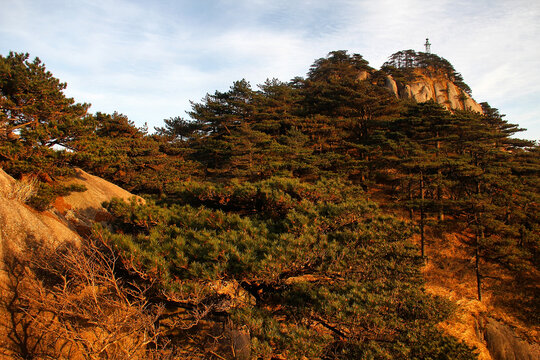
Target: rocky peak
[(439, 88), (423, 77)]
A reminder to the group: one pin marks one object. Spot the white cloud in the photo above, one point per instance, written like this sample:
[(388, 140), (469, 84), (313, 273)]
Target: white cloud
[(148, 60)]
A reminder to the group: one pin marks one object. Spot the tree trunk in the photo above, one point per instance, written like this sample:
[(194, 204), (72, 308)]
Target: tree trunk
[(422, 216), (439, 197), (477, 267), (411, 210), (439, 188)]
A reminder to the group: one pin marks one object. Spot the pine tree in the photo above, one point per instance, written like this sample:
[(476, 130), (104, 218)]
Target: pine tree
[(485, 187), (33, 107), (178, 129), (416, 148), (35, 116)]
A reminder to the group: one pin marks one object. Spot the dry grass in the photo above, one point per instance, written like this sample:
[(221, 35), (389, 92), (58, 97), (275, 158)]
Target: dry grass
[(67, 303), (464, 325), (449, 273), (22, 190)]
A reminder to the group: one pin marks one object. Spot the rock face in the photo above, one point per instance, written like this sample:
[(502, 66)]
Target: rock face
[(98, 191), (437, 88), (503, 344), (363, 75), (82, 209), (473, 324), (18, 222), (70, 216), (391, 85)]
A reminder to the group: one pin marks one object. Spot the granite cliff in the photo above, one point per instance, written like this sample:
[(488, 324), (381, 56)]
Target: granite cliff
[(423, 77), (428, 86)]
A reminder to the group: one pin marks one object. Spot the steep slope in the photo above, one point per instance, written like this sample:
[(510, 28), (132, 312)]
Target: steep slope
[(494, 331), (19, 222), (69, 217), (34, 249), (82, 209)]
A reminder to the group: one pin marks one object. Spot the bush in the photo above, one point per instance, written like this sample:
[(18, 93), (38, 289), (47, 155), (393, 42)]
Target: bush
[(328, 269), (68, 303), (46, 194)]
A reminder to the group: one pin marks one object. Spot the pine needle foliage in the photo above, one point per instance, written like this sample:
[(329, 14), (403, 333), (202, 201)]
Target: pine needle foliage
[(268, 192), (324, 267)]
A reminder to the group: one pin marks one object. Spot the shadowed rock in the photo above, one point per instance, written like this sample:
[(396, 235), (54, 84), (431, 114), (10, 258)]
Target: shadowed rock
[(503, 344)]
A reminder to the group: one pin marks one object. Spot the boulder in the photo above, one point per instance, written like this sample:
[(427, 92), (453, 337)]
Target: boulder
[(236, 295), (363, 75), (70, 216), (391, 85), (89, 203)]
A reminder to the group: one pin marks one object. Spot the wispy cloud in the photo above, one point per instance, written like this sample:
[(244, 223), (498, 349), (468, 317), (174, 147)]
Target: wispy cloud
[(148, 60)]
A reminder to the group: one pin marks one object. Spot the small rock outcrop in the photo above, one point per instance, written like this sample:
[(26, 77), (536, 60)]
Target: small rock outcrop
[(391, 85), (503, 344), (97, 191), (19, 222), (82, 209), (473, 324), (438, 88), (363, 75), (70, 216)]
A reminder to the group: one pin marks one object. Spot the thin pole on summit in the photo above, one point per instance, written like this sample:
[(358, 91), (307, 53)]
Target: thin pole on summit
[(428, 46)]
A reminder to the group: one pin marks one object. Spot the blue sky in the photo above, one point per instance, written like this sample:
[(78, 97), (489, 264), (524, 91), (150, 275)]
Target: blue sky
[(148, 59)]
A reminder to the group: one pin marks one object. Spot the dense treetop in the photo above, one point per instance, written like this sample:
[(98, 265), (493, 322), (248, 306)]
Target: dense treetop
[(402, 64)]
